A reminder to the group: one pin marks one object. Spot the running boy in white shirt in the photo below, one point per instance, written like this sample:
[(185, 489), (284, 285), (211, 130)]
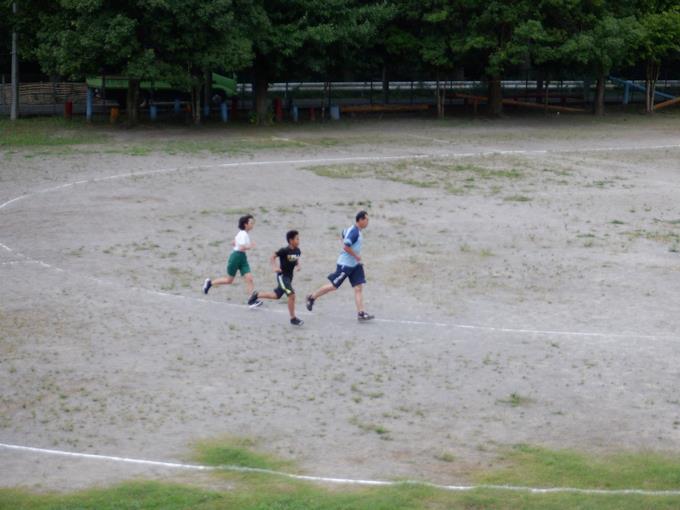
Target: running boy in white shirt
[(238, 260)]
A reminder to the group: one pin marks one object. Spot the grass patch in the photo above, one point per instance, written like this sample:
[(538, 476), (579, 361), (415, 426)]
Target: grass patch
[(235, 452), (539, 467), (517, 198), (46, 132), (516, 400), (524, 465), (456, 179)]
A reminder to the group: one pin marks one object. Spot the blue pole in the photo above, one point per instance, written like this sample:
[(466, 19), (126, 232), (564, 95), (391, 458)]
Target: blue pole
[(224, 112), (294, 113), (626, 93), (206, 111), (88, 105), (153, 112), (178, 106)]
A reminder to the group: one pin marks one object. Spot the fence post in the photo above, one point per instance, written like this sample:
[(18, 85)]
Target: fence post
[(626, 93), (153, 112), (224, 112), (177, 107)]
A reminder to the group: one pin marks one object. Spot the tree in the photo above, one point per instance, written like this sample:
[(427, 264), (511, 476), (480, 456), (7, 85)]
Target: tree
[(602, 36), (488, 36), (192, 38), (659, 40), (440, 45), (82, 37), (284, 33)]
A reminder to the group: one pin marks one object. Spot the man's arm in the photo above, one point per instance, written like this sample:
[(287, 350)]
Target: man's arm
[(348, 249)]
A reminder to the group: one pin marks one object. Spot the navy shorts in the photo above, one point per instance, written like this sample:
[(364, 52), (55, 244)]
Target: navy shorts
[(354, 273), (285, 285)]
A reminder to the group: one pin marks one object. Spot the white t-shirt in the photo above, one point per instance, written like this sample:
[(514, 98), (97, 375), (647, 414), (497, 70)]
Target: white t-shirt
[(242, 239)]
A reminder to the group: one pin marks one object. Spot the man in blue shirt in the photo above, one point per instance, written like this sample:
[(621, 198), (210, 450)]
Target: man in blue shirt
[(348, 266)]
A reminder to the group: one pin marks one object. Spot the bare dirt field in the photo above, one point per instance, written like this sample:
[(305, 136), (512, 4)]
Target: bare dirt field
[(524, 272)]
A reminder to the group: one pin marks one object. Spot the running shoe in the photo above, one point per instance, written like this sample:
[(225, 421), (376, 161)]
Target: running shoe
[(296, 322), (206, 285), (253, 302), (310, 302), (365, 316)]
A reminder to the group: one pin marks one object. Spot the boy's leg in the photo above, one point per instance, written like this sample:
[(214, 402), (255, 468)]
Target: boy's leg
[(250, 283), (291, 305), (223, 280), (266, 295)]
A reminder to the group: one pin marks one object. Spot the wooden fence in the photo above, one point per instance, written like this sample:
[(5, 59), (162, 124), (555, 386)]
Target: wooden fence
[(45, 93)]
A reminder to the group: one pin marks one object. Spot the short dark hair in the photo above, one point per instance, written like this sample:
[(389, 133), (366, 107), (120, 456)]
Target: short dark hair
[(291, 234), (243, 221), (361, 215)]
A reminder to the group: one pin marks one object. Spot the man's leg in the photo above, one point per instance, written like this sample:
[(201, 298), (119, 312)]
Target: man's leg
[(323, 290), (359, 297)]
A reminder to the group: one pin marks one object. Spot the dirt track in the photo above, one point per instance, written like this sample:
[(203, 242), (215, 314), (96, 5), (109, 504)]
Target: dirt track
[(526, 296)]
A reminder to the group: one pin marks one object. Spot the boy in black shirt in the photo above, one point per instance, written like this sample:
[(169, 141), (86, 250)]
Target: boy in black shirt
[(284, 262)]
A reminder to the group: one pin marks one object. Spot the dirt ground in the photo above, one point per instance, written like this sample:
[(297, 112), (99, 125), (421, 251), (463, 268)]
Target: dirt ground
[(524, 272)]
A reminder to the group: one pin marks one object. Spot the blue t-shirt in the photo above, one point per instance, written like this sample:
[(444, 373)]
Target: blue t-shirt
[(350, 237)]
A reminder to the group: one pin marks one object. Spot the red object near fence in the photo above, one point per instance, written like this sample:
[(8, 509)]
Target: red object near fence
[(278, 109), (68, 109)]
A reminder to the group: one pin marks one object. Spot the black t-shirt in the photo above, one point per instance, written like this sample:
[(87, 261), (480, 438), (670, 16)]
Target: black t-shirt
[(288, 259)]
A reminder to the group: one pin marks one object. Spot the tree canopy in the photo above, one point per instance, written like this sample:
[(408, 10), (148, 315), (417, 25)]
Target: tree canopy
[(182, 41)]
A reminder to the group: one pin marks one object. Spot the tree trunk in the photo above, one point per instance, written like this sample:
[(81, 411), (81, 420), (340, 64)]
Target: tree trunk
[(598, 106), (385, 85), (495, 96), (132, 105), (207, 87), (652, 75), (539, 87), (260, 88), (196, 104)]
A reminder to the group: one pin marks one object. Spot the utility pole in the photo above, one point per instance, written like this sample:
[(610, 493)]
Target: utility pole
[(14, 108)]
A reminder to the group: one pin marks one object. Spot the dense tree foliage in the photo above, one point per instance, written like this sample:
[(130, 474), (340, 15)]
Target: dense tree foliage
[(182, 41)]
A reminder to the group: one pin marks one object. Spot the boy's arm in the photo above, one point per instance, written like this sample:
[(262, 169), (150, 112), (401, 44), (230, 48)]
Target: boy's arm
[(276, 264)]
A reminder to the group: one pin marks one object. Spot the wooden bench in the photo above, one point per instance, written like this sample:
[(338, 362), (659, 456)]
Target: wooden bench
[(381, 108)]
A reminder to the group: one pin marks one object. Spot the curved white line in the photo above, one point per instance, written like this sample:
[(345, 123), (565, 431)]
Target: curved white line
[(344, 481)]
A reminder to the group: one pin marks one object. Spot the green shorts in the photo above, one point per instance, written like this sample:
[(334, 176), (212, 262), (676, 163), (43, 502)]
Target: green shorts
[(237, 262)]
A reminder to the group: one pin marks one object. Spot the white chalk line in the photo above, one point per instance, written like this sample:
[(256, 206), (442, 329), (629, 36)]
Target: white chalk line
[(343, 481), (491, 329), (533, 490), (341, 159), (347, 159)]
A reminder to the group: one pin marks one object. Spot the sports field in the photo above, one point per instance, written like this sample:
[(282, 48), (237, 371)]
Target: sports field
[(524, 274)]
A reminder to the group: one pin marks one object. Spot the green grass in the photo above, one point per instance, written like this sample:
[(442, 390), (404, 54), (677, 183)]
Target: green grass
[(523, 466), (236, 452), (46, 132), (539, 467), (456, 179)]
